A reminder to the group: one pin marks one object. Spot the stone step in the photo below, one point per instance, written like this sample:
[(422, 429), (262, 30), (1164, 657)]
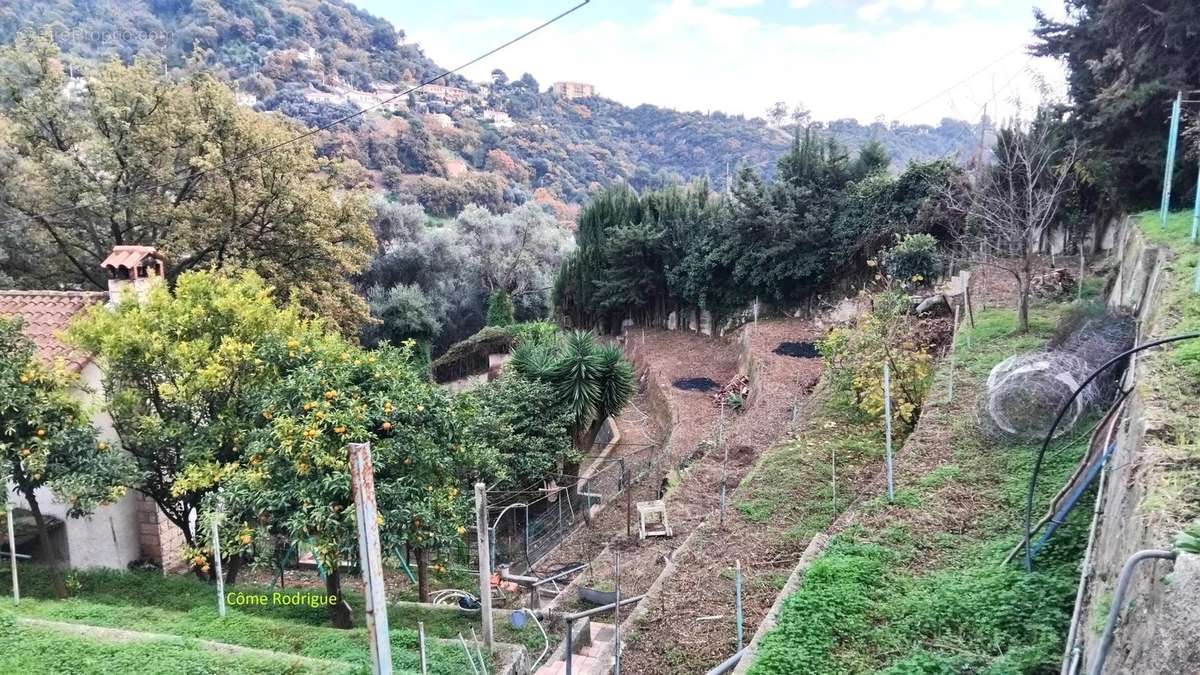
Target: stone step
[(580, 665)]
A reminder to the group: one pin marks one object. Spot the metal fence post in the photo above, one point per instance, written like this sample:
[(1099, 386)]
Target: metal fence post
[(737, 590), (216, 547), (12, 548), (887, 426), (1169, 172)]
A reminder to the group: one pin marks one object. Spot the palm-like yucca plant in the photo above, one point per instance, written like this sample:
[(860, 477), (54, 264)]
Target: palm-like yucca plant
[(594, 379)]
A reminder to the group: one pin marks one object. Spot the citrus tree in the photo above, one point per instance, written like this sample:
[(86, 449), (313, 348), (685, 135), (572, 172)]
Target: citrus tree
[(297, 478), (47, 440), (184, 372)]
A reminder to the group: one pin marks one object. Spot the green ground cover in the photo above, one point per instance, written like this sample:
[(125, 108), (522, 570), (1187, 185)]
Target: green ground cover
[(41, 651), (918, 586), (186, 607)]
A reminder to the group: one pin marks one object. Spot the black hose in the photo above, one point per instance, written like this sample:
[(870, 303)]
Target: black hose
[(1037, 462)]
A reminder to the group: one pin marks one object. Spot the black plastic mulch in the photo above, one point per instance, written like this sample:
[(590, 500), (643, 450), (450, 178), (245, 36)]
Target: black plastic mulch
[(800, 350), (695, 384)]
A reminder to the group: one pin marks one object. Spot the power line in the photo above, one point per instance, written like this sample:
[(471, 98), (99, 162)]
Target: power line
[(187, 173), (959, 83)]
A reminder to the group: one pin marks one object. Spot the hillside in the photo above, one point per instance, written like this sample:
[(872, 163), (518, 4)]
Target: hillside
[(495, 144)]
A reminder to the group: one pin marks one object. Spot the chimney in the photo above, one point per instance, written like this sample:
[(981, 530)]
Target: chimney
[(133, 269)]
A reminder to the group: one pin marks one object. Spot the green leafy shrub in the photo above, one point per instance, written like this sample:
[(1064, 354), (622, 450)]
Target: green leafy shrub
[(913, 261), (855, 357)]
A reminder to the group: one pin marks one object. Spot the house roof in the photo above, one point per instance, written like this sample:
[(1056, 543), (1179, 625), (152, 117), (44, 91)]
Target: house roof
[(45, 316)]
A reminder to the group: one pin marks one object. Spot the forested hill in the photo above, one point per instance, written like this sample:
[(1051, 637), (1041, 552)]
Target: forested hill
[(495, 144)]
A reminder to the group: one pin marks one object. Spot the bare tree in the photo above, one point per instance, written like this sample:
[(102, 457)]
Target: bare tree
[(1016, 201)]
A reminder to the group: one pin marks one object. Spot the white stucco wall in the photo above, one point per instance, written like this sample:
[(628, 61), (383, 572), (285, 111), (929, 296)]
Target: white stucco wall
[(109, 537)]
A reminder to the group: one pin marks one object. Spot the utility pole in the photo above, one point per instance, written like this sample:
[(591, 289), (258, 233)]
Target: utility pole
[(485, 563)]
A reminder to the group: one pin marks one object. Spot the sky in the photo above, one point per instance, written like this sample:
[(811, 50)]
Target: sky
[(913, 61)]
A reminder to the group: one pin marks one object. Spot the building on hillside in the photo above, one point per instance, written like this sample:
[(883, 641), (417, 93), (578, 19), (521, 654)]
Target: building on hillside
[(498, 118), (131, 529), (447, 94), (573, 90)]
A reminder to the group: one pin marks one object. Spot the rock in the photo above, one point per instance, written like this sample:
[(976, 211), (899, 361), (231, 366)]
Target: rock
[(933, 304)]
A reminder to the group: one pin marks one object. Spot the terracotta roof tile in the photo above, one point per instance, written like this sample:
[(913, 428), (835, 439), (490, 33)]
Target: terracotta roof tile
[(46, 314)]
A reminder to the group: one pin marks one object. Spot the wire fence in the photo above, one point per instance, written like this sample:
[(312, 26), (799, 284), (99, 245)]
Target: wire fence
[(524, 531)]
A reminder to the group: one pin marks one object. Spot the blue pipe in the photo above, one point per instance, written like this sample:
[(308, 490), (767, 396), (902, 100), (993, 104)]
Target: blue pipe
[(1068, 505)]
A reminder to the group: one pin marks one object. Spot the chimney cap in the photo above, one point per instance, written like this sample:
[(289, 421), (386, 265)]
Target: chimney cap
[(129, 256)]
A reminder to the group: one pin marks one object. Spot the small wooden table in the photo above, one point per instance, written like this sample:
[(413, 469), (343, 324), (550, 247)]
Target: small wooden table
[(653, 519)]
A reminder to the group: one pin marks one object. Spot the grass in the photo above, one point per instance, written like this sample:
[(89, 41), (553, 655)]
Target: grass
[(1173, 377), (41, 651), (185, 607), (919, 586), (834, 432)]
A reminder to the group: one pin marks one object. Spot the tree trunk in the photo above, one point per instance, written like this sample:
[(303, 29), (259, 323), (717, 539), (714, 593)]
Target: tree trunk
[(339, 613), (232, 567), (1023, 304), (56, 576), (422, 575)]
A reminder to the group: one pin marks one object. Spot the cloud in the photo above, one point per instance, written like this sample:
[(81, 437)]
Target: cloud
[(692, 55), (879, 9), (799, 4), (734, 4)]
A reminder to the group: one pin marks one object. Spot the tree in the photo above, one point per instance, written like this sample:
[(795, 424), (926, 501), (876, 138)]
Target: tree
[(402, 313), (296, 476), (183, 374), (500, 308), (47, 440), (593, 380), (132, 158), (1125, 61), (872, 159), (499, 77), (525, 423), (1018, 200)]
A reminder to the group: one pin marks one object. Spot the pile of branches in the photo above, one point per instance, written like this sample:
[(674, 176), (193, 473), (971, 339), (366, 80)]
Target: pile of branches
[(739, 386)]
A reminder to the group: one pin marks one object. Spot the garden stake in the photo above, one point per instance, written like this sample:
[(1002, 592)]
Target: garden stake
[(470, 659), (887, 426), (216, 542), (12, 549), (482, 663), (617, 614), (737, 590), (953, 349)]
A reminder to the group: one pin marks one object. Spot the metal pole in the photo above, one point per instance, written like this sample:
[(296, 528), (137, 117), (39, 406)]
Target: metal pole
[(617, 614), (470, 659), (485, 566), (421, 644), (887, 426), (953, 350), (628, 503), (12, 549), (737, 592), (724, 462), (362, 475), (482, 663), (1114, 611), (216, 546), (570, 629), (1196, 211), (1172, 142)]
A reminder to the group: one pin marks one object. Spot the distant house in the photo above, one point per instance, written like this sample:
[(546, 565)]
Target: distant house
[(573, 90), (132, 528), (498, 118)]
